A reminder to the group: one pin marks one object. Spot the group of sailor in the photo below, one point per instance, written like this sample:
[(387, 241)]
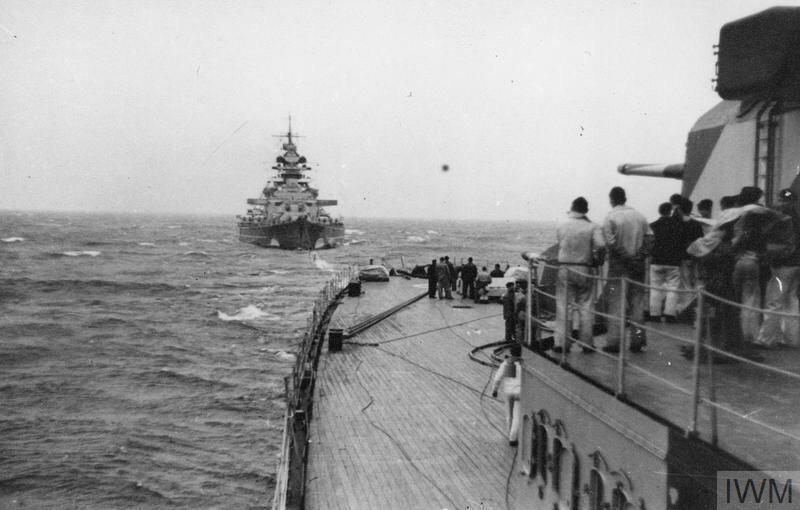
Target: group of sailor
[(727, 256), (444, 278)]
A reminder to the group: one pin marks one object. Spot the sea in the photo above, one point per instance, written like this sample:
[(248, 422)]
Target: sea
[(143, 357)]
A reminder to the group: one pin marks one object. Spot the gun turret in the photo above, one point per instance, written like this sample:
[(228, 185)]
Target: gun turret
[(649, 170)]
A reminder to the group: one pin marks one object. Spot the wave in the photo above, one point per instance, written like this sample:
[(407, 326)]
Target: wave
[(320, 262), (84, 253), (195, 254), (432, 232), (283, 355), (416, 239), (189, 379), (146, 244), (183, 243), (248, 313), (79, 285), (108, 322), (353, 231), (13, 239)]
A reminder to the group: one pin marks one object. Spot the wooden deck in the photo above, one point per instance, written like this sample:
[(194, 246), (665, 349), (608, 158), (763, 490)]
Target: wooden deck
[(409, 422), (403, 418)]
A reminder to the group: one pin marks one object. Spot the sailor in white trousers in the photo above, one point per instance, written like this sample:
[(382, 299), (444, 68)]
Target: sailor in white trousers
[(507, 381)]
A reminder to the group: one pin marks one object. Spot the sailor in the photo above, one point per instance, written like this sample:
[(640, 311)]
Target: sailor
[(749, 245), (625, 230), (507, 381), (432, 278), (509, 310), (497, 272), (690, 230), (481, 282), (665, 276), (704, 208), (783, 257), (520, 310), (580, 244), (469, 272), (453, 274), (443, 279)]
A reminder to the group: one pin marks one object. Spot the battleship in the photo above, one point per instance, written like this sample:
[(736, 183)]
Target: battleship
[(397, 412), (289, 213)]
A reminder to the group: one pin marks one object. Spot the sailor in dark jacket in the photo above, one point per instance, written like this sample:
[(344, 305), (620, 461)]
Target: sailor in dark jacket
[(443, 279), (432, 279), (469, 272), (452, 270), (509, 311)]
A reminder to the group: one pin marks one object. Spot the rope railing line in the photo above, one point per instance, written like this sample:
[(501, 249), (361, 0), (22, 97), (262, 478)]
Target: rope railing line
[(780, 371), (543, 293), (659, 378), (748, 307), (645, 327), (678, 291), (751, 420), (663, 333), (594, 347), (611, 278)]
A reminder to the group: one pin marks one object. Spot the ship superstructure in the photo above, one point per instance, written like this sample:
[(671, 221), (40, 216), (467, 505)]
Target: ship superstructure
[(289, 213)]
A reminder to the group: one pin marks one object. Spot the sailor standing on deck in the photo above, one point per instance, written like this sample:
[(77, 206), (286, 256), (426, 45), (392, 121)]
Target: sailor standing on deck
[(625, 230), (783, 257), (667, 256), (453, 274), (507, 380), (481, 282), (443, 279), (580, 244), (509, 311), (749, 246), (469, 272), (432, 279)]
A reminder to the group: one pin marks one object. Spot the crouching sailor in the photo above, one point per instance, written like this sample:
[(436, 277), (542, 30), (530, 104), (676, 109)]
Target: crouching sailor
[(507, 380)]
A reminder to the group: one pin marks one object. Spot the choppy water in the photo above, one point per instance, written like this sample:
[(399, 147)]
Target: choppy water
[(142, 357)]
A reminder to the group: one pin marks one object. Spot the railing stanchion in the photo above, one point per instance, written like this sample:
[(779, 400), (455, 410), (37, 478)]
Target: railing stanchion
[(712, 391), (567, 312), (528, 298), (698, 340), (623, 300)]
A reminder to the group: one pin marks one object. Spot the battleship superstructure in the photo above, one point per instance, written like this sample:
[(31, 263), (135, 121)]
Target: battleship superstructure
[(288, 212)]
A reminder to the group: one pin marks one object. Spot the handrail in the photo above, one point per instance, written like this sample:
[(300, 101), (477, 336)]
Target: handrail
[(700, 342), (289, 485), (748, 307)]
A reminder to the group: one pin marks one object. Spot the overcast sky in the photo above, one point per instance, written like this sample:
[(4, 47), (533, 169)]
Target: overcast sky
[(171, 106)]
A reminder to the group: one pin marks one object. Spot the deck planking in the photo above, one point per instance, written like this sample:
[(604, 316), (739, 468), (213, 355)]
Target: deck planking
[(400, 420), (404, 424)]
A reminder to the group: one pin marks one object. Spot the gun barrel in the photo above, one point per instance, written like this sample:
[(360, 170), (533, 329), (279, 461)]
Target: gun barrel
[(649, 170)]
